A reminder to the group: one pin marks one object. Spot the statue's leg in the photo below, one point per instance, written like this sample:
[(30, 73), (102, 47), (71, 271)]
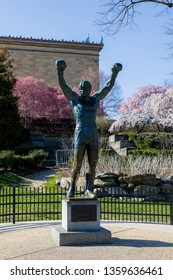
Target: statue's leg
[(78, 158), (92, 160)]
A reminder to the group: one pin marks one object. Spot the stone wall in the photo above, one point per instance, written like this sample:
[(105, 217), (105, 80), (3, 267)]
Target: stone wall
[(36, 57), (147, 187)]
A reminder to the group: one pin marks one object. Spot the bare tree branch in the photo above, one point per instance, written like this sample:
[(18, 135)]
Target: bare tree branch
[(121, 13), (169, 31), (112, 101)]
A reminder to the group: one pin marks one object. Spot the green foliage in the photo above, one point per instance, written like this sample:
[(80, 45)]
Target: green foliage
[(7, 79), (145, 152), (9, 115), (150, 152), (9, 160), (10, 179), (37, 157), (9, 123), (146, 140), (6, 159), (152, 140), (51, 181)]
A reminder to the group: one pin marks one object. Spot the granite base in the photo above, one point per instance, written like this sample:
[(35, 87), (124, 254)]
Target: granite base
[(73, 238)]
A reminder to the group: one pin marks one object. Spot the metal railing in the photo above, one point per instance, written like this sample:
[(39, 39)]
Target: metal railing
[(19, 204), (63, 156), (30, 204)]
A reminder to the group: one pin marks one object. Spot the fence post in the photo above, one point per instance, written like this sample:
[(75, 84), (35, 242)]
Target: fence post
[(171, 210), (14, 204)]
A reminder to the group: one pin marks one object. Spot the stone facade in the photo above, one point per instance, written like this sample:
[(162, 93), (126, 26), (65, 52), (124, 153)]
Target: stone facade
[(36, 57)]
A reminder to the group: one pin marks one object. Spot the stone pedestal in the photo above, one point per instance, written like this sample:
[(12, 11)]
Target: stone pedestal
[(80, 223), (80, 214), (73, 238)]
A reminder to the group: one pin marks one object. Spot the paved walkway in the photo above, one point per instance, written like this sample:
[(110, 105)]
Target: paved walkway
[(130, 241), (39, 178)]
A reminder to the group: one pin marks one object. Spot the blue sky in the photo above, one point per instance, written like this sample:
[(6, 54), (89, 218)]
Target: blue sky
[(143, 52)]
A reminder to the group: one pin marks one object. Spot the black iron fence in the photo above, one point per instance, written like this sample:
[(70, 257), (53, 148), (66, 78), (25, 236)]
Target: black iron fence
[(43, 204)]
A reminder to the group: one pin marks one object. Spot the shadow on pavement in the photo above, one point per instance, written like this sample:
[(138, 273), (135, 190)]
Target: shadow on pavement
[(139, 243)]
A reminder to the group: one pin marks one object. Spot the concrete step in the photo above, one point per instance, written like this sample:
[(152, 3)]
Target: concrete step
[(122, 144), (117, 137)]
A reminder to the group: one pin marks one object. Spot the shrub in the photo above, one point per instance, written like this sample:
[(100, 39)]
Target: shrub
[(154, 140), (6, 159), (9, 114), (145, 152), (36, 157)]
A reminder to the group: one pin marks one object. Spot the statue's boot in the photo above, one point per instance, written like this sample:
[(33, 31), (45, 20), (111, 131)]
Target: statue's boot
[(89, 194), (89, 187), (71, 190)]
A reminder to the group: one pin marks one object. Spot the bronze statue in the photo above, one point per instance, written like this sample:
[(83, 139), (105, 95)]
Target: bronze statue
[(84, 107)]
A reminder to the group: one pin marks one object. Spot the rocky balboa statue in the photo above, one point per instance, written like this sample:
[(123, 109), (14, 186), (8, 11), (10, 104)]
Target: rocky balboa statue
[(84, 107)]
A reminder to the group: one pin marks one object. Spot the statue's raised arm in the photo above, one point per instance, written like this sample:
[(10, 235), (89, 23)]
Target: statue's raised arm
[(68, 92), (106, 89)]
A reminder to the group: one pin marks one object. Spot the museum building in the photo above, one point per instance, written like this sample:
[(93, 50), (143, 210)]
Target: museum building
[(36, 57)]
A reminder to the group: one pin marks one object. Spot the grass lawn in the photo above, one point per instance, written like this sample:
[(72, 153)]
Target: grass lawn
[(127, 209), (10, 179), (31, 203), (19, 179)]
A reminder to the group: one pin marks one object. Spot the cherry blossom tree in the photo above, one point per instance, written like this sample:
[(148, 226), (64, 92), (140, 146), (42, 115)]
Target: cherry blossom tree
[(151, 109), (135, 120), (38, 100), (138, 100), (160, 108)]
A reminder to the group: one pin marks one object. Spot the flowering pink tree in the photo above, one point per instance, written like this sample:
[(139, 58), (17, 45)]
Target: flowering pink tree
[(135, 120), (151, 108), (38, 100), (138, 100), (160, 107)]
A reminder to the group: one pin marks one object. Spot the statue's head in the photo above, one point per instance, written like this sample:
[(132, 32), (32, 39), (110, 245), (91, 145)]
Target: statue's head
[(85, 88)]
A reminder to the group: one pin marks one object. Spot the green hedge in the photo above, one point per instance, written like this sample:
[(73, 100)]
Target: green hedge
[(152, 140), (150, 152), (151, 143), (9, 160), (6, 159)]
